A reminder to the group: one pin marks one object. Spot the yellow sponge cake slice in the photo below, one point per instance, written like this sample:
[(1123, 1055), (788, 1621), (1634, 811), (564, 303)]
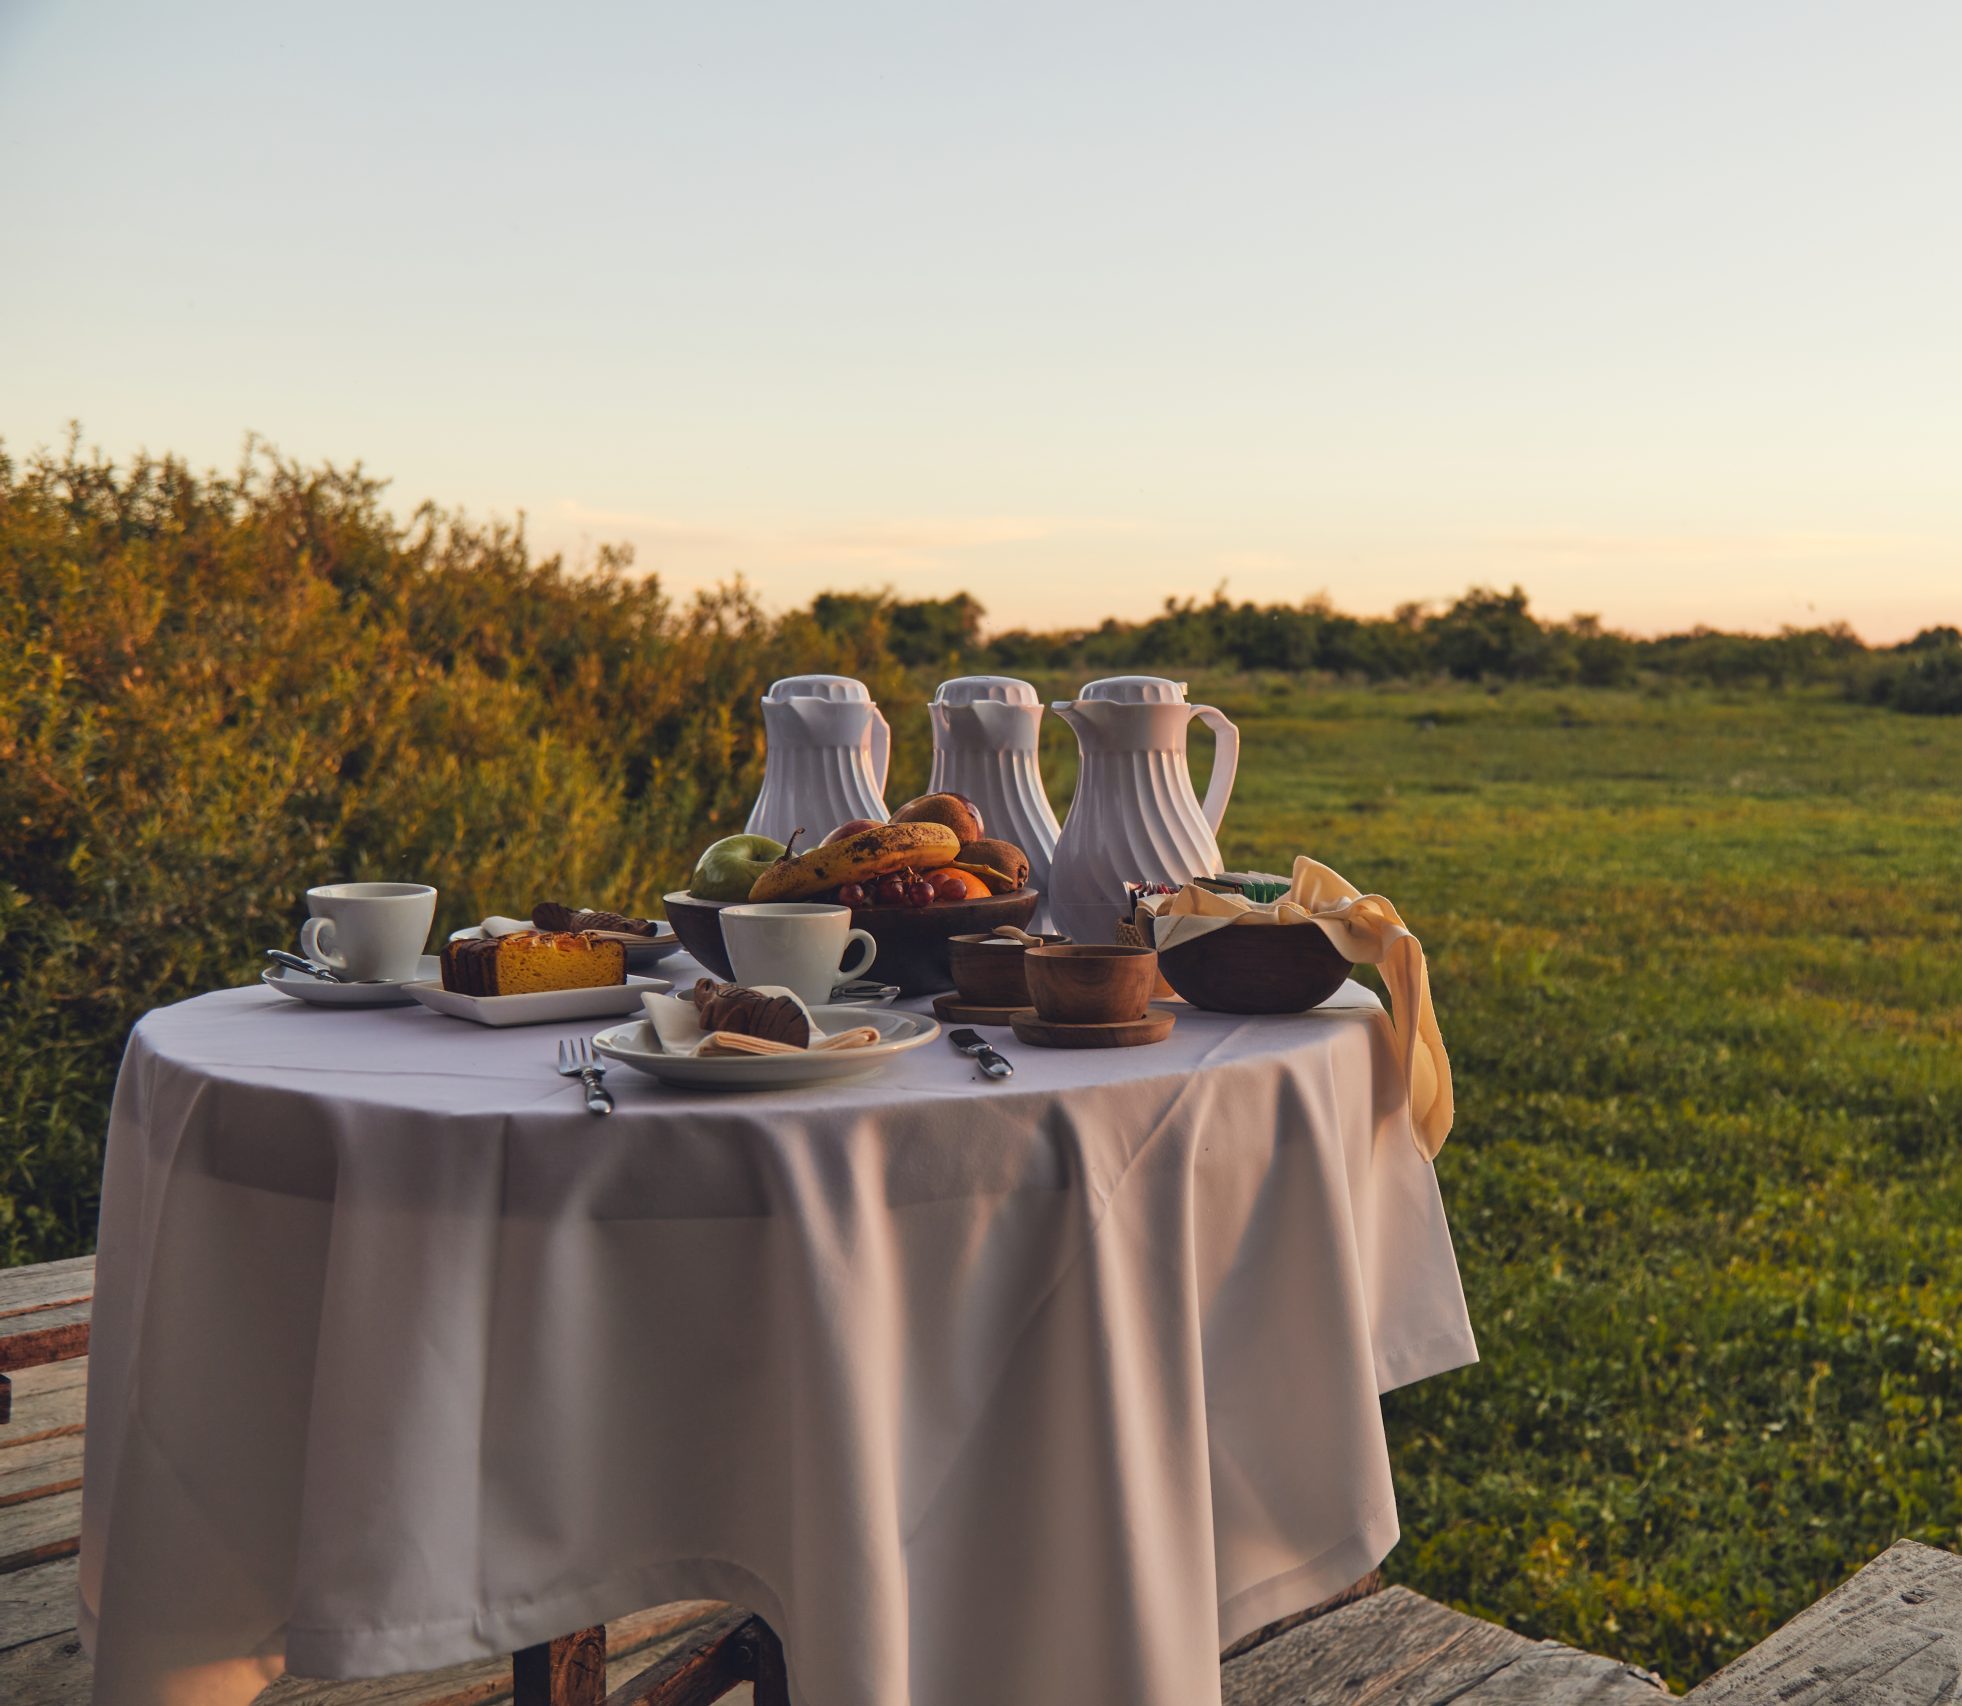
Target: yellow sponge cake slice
[(531, 961)]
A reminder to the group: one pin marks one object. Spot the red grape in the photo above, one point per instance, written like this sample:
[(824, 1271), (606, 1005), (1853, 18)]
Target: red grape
[(892, 891), (947, 886), (852, 894), (919, 892)]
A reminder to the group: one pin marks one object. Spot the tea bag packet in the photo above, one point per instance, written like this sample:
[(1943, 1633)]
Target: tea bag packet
[(676, 1022), (1366, 930)]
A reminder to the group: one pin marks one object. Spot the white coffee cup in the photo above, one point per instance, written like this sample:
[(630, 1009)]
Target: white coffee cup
[(795, 943), (369, 930)]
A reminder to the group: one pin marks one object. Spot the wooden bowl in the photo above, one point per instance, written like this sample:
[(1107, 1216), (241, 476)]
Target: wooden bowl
[(1256, 968), (1090, 983), (915, 942), (698, 923), (988, 970)]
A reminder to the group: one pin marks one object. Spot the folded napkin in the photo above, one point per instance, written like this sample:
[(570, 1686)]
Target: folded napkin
[(677, 1026), (1366, 930)]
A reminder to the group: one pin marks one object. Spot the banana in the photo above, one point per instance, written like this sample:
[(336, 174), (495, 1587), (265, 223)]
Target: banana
[(999, 882), (870, 853)]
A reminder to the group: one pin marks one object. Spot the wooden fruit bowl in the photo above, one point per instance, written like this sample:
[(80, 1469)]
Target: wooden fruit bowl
[(914, 940), (698, 923), (1255, 968)]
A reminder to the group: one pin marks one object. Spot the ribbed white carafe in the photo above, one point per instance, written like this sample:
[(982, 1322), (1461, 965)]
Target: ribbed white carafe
[(826, 750), (1135, 816), (985, 729)]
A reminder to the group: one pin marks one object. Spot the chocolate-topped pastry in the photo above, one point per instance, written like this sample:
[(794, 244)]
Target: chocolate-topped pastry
[(556, 915), (751, 1013)]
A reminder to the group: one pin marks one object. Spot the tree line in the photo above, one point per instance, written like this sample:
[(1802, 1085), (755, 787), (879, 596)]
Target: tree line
[(1485, 635)]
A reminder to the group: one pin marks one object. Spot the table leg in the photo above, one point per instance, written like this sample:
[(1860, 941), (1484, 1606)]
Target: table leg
[(568, 1671)]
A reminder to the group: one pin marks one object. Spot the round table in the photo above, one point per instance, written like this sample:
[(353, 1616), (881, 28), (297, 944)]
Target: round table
[(1040, 1391)]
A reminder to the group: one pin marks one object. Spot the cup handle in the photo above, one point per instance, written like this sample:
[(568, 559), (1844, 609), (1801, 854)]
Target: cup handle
[(311, 944), (851, 974)]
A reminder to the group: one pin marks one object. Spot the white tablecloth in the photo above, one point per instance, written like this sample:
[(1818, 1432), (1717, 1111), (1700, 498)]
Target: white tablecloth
[(1037, 1392)]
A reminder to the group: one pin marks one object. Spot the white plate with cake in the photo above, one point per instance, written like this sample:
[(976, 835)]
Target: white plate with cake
[(534, 977), (647, 940)]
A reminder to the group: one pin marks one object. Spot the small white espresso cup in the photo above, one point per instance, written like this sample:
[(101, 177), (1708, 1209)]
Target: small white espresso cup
[(797, 944), (369, 930)]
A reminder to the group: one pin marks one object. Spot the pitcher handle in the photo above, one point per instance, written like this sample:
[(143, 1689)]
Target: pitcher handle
[(1226, 760), (881, 747)]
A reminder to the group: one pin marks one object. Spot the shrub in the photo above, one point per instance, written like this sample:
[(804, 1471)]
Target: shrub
[(217, 691)]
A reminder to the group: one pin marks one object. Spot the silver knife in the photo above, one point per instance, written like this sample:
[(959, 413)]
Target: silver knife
[(983, 1053)]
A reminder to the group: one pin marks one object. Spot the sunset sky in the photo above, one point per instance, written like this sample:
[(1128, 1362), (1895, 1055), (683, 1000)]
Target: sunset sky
[(1655, 309)]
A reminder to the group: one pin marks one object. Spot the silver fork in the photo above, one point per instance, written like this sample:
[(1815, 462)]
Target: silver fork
[(577, 1060)]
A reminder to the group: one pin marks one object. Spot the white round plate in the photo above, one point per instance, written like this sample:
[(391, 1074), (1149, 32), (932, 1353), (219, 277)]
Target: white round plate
[(633, 1045), (642, 951), (318, 994)]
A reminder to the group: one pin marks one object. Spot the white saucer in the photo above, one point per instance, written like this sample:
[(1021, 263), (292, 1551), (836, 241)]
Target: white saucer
[(319, 993), (633, 1045), (867, 992)]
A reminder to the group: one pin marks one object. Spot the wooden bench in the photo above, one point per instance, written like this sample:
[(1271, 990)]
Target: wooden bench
[(44, 1317), (715, 1657), (1892, 1636)]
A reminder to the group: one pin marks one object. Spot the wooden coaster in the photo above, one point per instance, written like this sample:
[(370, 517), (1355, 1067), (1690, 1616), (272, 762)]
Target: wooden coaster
[(958, 1012), (1154, 1027)]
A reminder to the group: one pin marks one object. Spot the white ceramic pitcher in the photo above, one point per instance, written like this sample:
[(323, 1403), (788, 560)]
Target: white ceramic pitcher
[(1135, 816), (825, 754), (984, 746)]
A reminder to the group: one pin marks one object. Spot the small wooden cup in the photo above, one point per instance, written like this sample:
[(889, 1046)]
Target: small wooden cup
[(988, 970), (1090, 983)]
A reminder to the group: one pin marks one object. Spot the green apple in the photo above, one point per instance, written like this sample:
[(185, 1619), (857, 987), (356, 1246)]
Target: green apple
[(729, 869)]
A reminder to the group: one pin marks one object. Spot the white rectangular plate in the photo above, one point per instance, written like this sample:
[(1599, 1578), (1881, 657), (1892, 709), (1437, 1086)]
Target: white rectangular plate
[(547, 1007)]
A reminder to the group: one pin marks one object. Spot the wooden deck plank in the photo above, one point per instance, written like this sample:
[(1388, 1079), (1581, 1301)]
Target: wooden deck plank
[(1396, 1648), (46, 1283), (44, 1335), (39, 1468), (41, 1529), (47, 1672), (47, 1400), (1892, 1636), (36, 1602)]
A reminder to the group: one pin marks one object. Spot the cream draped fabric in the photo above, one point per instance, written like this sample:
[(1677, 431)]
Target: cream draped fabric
[(1037, 1392), (1367, 930)]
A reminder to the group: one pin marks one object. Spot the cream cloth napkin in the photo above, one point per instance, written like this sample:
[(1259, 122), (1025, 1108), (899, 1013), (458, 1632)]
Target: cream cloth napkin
[(1366, 930), (677, 1026)]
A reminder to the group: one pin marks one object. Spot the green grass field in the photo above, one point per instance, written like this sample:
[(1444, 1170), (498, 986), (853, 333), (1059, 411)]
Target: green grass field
[(1696, 961)]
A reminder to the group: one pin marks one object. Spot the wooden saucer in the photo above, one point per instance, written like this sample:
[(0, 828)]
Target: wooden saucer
[(1154, 1027), (958, 1012)]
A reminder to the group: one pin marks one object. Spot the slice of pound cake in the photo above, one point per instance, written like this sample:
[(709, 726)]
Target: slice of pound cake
[(533, 960)]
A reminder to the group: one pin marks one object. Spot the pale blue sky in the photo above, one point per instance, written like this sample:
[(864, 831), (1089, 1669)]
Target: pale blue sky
[(1655, 308)]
